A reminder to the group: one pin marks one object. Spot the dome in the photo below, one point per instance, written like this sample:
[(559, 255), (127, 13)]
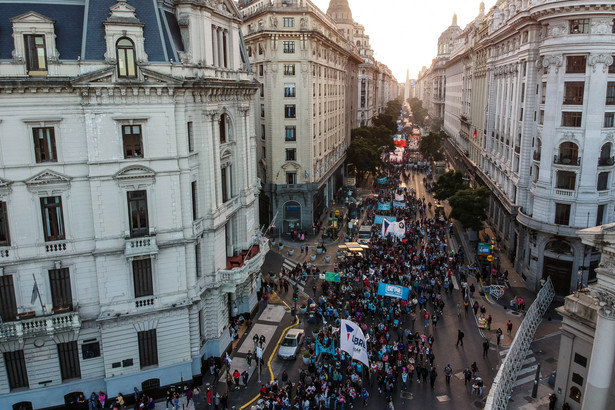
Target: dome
[(339, 10)]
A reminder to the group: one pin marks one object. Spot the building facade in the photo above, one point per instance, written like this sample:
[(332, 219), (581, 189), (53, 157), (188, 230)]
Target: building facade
[(129, 194), (540, 131), (309, 68)]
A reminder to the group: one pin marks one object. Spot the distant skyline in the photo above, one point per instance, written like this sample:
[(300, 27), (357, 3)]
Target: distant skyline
[(404, 33)]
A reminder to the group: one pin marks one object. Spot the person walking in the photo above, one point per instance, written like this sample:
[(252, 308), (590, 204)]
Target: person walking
[(448, 372), (364, 396), (498, 336), (489, 320), (245, 376), (485, 347), (474, 368), (509, 327), (467, 375), (466, 307), (432, 376), (460, 336), (249, 358), (552, 400), (458, 310)]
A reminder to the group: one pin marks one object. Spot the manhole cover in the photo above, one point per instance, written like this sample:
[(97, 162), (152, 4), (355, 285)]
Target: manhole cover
[(478, 404), (406, 395)]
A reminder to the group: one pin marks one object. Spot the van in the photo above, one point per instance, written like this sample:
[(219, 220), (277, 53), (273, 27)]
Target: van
[(365, 234)]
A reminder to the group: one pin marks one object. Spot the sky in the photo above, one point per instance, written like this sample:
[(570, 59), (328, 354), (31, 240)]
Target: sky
[(404, 33)]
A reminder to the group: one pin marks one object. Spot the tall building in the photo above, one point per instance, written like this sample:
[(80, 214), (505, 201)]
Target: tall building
[(128, 190), (309, 68), (539, 130)]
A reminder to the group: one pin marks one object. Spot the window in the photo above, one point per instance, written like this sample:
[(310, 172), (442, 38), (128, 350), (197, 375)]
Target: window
[(53, 222), (225, 128), (289, 111), (580, 360), (291, 154), (289, 69), (190, 137), (579, 26), (44, 144), (68, 355), (90, 349), (612, 66), (148, 348), (289, 90), (8, 305), (61, 294), (262, 88), (126, 66), (289, 46), (193, 190), (605, 155), (562, 214), (197, 259), (142, 277), (260, 49), (261, 70), (291, 133), (541, 117), (603, 181), (5, 238), (263, 135), (600, 214), (15, 365), (575, 394), (262, 110), (133, 145), (288, 21), (569, 153), (291, 178), (566, 180), (137, 213), (609, 118), (610, 93), (264, 152), (573, 92), (577, 378), (571, 119), (575, 64), (543, 96), (36, 54), (226, 181)]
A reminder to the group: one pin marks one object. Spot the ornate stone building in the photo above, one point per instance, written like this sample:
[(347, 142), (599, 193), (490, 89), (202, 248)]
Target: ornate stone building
[(128, 194), (542, 90)]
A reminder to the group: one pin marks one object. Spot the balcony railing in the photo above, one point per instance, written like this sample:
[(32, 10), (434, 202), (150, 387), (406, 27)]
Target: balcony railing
[(564, 192), (605, 162), (40, 326), (557, 159), (141, 246), (243, 265)]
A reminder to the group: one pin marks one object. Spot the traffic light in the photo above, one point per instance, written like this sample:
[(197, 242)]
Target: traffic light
[(295, 294)]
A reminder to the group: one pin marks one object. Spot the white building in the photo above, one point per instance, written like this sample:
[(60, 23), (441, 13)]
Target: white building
[(542, 88), (128, 191)]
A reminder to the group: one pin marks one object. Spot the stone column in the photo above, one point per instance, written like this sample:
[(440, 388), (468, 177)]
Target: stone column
[(214, 43), (214, 166), (603, 353), (220, 48), (245, 140)]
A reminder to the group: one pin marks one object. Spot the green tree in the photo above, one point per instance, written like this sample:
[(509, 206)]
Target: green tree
[(393, 108), (364, 157), (385, 120), (469, 207), (380, 138), (419, 113), (431, 146), (448, 184)]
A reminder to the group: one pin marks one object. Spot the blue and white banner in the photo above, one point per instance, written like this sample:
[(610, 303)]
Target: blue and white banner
[(394, 291), (399, 204), (384, 206), (353, 341), (397, 229), (382, 180), (379, 218), (400, 197)]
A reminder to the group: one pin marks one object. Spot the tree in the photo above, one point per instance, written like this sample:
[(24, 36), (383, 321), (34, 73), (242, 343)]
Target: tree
[(393, 108), (379, 137), (430, 146), (385, 120), (448, 184), (469, 207), (364, 157), (419, 113)]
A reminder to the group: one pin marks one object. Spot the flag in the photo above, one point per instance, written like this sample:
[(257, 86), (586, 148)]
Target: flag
[(34, 293), (385, 227), (353, 341), (306, 174), (475, 133)]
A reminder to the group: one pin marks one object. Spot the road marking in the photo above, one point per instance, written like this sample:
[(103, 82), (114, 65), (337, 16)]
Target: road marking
[(455, 285), (526, 370), (524, 380)]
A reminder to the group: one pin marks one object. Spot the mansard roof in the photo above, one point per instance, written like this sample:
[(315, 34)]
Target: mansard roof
[(81, 35)]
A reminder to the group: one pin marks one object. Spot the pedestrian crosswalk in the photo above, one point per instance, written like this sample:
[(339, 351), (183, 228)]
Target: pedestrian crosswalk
[(528, 368), (290, 265)]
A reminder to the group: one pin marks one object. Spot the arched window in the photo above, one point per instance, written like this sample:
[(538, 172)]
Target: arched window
[(605, 155), (575, 394), (568, 153), (226, 134), (292, 215), (126, 66)]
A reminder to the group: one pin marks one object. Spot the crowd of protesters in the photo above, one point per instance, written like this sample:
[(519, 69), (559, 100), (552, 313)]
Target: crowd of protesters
[(400, 333)]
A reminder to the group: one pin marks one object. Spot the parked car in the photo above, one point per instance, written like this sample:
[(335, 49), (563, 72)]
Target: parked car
[(291, 344)]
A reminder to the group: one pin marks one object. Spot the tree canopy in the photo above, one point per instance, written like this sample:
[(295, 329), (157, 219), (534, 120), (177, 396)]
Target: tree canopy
[(379, 137), (431, 146), (419, 113), (362, 154), (469, 207), (385, 120), (448, 184)]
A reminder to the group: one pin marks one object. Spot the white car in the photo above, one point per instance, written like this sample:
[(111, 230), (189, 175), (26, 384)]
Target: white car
[(291, 344)]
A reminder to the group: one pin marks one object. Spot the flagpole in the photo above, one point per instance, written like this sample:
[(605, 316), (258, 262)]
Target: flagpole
[(38, 292)]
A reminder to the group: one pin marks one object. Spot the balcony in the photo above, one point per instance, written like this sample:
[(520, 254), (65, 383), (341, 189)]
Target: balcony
[(606, 162), (240, 267), (571, 161), (564, 192), (141, 246), (40, 326)]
